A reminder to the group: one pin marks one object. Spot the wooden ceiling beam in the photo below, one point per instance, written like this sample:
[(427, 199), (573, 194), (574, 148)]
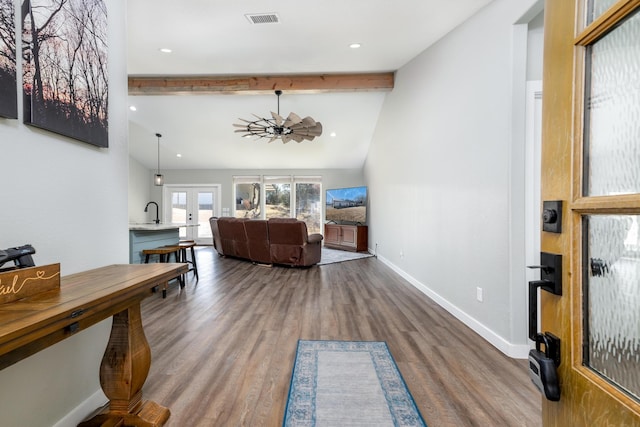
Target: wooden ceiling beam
[(249, 85)]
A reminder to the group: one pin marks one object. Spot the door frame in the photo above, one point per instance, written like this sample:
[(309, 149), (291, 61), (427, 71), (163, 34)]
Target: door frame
[(533, 170), (191, 232)]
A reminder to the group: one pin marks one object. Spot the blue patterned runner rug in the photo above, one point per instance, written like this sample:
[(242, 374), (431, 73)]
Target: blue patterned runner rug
[(348, 383)]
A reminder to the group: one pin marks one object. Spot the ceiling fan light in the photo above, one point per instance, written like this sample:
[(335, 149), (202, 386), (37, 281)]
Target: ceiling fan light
[(275, 127)]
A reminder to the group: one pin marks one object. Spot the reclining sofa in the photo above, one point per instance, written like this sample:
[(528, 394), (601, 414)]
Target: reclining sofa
[(273, 241)]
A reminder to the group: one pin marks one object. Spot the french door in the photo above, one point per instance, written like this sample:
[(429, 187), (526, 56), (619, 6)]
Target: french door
[(192, 205), (591, 162)]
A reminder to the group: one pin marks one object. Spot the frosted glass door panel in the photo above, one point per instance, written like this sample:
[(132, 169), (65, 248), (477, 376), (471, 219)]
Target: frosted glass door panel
[(612, 299), (612, 112), (597, 8)]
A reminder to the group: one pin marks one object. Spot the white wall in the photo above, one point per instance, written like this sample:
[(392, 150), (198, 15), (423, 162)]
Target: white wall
[(441, 213), (69, 200), (140, 183)]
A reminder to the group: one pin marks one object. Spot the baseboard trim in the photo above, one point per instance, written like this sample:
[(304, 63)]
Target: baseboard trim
[(82, 411), (515, 351)]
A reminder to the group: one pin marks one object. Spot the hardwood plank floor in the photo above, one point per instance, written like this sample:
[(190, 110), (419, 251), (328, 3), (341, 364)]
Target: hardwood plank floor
[(223, 348)]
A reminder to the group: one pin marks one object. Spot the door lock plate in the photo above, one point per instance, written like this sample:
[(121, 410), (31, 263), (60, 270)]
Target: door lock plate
[(552, 216)]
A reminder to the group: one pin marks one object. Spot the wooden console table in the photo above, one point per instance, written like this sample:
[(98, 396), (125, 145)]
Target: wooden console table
[(34, 323)]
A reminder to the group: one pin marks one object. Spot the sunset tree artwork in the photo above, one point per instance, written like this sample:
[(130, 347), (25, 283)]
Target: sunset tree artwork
[(64, 56), (8, 79)]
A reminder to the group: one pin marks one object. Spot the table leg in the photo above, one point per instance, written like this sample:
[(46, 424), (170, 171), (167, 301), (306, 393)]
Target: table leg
[(123, 371)]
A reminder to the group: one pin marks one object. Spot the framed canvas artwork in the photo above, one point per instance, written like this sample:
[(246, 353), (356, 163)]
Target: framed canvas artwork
[(8, 81), (65, 77)]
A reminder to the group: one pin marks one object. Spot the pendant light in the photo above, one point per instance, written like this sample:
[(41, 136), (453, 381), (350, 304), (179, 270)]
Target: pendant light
[(158, 179)]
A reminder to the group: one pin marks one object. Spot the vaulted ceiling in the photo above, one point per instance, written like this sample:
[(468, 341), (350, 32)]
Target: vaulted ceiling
[(223, 66)]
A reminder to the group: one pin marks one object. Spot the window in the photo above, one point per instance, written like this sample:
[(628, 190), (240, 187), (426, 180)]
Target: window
[(283, 196), (308, 202), (277, 196), (247, 197)]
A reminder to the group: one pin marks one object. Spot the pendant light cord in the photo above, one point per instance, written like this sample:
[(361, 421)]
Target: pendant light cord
[(159, 136)]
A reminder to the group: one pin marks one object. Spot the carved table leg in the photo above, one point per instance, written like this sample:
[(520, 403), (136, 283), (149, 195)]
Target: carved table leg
[(123, 371)]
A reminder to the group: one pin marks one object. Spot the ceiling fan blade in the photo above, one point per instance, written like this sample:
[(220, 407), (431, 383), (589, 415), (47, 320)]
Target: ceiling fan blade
[(308, 122), (286, 138), (278, 118), (240, 125), (261, 119), (315, 130), (292, 120), (296, 137), (273, 138), (246, 121)]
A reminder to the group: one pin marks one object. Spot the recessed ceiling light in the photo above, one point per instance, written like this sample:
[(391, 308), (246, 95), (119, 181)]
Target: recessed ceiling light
[(165, 50), (332, 134), (178, 155), (133, 108), (355, 45)]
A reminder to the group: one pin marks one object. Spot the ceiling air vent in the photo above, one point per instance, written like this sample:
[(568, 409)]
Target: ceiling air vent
[(263, 18)]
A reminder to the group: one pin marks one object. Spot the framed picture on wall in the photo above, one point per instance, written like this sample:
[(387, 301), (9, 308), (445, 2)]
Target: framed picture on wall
[(8, 80), (65, 77)]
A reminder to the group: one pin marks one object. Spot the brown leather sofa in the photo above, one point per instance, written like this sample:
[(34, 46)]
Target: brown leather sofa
[(274, 241)]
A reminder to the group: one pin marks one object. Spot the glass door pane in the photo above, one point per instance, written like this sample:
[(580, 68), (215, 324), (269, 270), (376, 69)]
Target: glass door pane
[(206, 202), (178, 213), (611, 255), (612, 299), (612, 109), (597, 7)]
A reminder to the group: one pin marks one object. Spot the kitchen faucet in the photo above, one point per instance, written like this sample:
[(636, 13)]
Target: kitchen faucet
[(146, 209)]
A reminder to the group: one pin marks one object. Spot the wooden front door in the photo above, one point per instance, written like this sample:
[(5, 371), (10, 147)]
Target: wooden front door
[(591, 161)]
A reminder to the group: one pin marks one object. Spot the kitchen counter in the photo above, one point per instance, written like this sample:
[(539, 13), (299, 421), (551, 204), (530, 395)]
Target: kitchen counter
[(146, 226), (150, 236)]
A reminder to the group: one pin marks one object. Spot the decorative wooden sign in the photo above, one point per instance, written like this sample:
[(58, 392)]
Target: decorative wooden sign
[(24, 282)]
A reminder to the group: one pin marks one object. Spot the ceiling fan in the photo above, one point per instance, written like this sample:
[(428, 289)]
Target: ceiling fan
[(292, 128)]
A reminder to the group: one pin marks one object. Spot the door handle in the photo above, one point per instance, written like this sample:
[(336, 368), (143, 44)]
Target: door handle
[(550, 281), (542, 365)]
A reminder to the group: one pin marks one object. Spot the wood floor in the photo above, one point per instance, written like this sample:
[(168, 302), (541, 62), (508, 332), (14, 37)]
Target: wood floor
[(223, 348)]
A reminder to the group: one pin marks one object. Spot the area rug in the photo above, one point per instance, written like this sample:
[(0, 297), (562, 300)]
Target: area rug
[(331, 256), (347, 384)]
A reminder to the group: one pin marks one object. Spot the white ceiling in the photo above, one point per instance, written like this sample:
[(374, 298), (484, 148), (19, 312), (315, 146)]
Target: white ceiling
[(214, 37)]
